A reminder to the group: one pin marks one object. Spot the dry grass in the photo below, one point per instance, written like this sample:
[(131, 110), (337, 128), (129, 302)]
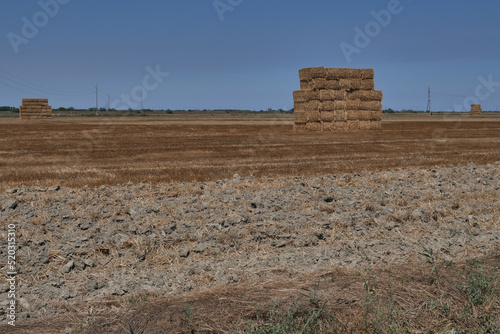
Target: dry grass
[(399, 298)]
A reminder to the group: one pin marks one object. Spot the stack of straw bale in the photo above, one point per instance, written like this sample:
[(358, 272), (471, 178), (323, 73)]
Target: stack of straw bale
[(476, 110), (35, 109), (337, 99)]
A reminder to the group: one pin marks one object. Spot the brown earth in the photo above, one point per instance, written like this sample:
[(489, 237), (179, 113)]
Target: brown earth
[(95, 151), (73, 152)]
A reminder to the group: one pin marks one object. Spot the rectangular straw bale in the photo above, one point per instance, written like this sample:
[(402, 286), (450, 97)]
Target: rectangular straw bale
[(345, 84), (305, 95), (313, 116), (333, 85), (376, 115), (353, 125), (310, 73), (327, 106), (349, 73), (300, 117), (365, 115), (353, 104), (370, 105), (319, 83), (364, 125), (327, 116), (375, 125), (357, 84), (352, 114), (333, 105), (328, 126), (365, 95), (313, 126), (339, 105), (339, 116), (300, 127), (306, 106), (332, 95), (340, 126), (305, 85), (35, 100)]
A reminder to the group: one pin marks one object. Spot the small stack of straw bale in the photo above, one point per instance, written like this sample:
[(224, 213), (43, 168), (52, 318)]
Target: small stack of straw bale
[(35, 109), (476, 110), (337, 99)]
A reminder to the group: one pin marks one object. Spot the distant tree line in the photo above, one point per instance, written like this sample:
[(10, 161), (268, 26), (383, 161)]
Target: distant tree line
[(11, 109)]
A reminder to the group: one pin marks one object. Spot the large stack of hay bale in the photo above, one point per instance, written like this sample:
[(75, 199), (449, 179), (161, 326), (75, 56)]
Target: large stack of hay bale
[(35, 109), (476, 110), (337, 99)]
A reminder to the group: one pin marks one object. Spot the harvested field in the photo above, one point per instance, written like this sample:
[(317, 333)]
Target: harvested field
[(96, 151), (210, 224)]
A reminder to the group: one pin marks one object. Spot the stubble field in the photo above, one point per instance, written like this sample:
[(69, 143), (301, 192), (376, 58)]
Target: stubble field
[(95, 151), (224, 224)]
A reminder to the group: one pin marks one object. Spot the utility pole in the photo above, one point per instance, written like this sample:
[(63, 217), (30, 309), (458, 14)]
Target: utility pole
[(96, 100), (109, 102), (429, 102), (142, 106)]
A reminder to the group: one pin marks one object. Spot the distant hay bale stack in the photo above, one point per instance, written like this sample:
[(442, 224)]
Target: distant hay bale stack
[(476, 110), (337, 99), (35, 109)]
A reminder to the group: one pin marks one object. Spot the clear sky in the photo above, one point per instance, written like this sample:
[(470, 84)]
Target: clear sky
[(245, 54)]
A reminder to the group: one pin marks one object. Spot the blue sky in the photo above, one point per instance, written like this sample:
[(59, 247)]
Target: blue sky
[(249, 59)]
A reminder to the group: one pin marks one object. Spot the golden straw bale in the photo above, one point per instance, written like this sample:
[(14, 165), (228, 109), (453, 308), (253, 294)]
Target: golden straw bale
[(300, 127), (340, 126), (357, 84), (305, 85), (328, 126), (370, 105), (375, 115), (327, 116), (313, 126), (364, 125), (332, 95), (349, 73), (339, 116), (366, 95), (310, 73), (305, 95), (365, 115), (313, 116), (375, 125), (300, 117), (306, 106), (352, 114), (339, 105), (353, 125), (353, 104), (319, 83)]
